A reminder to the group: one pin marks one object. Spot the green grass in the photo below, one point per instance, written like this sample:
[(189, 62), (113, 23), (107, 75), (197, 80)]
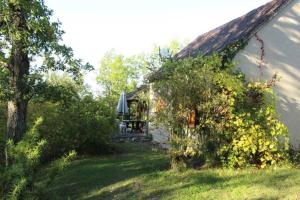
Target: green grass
[(143, 173)]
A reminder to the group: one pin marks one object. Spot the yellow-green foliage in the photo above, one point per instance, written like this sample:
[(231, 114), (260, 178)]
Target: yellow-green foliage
[(237, 123), (59, 165), (18, 175), (23, 160), (257, 136)]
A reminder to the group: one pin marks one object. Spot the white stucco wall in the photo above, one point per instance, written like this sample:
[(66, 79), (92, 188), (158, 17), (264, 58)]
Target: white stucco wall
[(281, 38)]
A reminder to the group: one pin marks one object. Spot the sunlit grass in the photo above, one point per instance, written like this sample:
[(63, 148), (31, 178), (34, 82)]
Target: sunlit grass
[(143, 173)]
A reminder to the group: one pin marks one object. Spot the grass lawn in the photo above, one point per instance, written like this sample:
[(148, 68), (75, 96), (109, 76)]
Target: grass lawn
[(142, 173)]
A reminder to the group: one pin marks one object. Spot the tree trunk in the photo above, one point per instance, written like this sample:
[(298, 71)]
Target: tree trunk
[(19, 67), (16, 120), (17, 107)]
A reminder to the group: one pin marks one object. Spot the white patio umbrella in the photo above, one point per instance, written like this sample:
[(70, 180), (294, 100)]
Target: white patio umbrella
[(122, 108)]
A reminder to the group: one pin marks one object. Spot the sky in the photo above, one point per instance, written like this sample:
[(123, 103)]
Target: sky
[(94, 27)]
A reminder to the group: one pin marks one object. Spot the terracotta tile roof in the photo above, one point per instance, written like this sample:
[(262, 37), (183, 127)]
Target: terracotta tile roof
[(241, 28)]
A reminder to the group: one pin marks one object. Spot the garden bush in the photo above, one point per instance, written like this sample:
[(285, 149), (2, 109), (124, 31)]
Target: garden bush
[(85, 126), (214, 115), (23, 162), (23, 159), (72, 118)]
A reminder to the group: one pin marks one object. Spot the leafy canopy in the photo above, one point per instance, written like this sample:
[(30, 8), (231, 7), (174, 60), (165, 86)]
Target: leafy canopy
[(27, 25), (117, 74)]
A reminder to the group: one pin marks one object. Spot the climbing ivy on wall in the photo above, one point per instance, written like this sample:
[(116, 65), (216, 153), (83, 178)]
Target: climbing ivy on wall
[(229, 52)]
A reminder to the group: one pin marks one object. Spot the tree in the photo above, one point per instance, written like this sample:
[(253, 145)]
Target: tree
[(155, 59), (117, 74), (30, 46)]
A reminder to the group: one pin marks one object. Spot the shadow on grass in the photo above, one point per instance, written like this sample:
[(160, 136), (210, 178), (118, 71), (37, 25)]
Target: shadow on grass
[(141, 173), (218, 184), (92, 174)]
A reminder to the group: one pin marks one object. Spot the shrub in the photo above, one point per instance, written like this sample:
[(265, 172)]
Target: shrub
[(23, 160), (56, 167), (213, 113), (256, 135), (18, 175), (85, 125)]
